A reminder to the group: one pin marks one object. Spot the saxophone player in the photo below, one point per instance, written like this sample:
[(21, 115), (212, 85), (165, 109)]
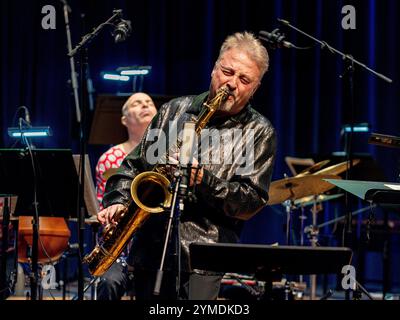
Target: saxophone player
[(226, 192)]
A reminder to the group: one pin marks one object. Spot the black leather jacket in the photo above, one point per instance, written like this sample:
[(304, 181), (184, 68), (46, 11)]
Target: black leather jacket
[(224, 197)]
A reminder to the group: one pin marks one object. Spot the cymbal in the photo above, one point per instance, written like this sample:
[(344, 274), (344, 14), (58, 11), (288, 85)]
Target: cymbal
[(110, 172), (307, 201), (337, 168), (313, 168), (298, 187)]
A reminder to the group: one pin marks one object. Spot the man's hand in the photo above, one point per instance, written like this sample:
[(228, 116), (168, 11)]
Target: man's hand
[(199, 176), (105, 216), (174, 159)]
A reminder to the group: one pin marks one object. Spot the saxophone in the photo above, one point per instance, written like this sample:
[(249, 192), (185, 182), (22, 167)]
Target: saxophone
[(150, 194)]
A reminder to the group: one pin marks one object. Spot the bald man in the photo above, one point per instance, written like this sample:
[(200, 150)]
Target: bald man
[(137, 113)]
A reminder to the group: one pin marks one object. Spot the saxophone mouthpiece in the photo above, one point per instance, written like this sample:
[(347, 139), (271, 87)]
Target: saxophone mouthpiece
[(223, 88), (224, 92)]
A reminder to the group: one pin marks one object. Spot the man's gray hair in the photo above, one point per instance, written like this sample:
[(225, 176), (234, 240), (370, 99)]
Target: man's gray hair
[(246, 41)]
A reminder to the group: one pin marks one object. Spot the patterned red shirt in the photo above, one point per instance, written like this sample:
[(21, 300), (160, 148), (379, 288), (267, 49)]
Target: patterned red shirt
[(112, 158)]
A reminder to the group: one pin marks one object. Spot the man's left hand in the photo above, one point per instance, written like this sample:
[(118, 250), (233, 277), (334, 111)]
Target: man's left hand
[(175, 160)]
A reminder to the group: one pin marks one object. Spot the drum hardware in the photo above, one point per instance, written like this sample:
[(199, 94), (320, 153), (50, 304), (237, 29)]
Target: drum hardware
[(249, 283), (287, 190), (288, 204), (302, 218), (307, 201), (281, 290), (298, 187), (312, 231), (294, 290), (301, 191), (310, 200)]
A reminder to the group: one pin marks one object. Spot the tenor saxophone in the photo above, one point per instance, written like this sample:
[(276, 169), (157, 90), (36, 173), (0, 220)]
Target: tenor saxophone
[(150, 194)]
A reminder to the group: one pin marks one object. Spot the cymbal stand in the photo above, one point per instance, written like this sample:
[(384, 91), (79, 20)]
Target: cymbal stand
[(302, 219), (288, 204), (312, 232)]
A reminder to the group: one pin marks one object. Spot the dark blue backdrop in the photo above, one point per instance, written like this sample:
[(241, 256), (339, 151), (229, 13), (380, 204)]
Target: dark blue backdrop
[(302, 94)]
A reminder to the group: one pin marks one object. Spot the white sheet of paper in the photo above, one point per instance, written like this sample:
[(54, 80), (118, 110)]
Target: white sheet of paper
[(393, 186)]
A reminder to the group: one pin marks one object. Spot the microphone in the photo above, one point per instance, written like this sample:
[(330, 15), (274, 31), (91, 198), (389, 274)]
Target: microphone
[(186, 155), (122, 31), (275, 39)]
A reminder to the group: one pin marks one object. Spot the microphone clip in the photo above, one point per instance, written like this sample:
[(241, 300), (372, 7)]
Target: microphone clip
[(275, 39)]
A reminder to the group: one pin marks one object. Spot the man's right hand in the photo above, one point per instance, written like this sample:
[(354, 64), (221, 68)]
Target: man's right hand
[(105, 216)]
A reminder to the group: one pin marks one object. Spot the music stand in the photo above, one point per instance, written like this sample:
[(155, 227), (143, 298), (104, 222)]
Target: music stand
[(267, 262), (56, 181), (106, 125), (371, 191)]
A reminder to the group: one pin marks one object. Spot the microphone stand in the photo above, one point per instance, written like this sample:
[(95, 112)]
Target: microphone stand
[(83, 50), (349, 72), (333, 50), (74, 81), (90, 36), (34, 250), (348, 149), (180, 193), (173, 216)]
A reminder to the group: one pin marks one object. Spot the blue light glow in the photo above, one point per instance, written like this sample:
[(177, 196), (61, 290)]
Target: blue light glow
[(135, 72), (16, 132), (115, 77)]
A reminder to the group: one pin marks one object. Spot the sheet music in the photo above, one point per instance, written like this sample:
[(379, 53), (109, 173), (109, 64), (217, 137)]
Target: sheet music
[(393, 186)]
